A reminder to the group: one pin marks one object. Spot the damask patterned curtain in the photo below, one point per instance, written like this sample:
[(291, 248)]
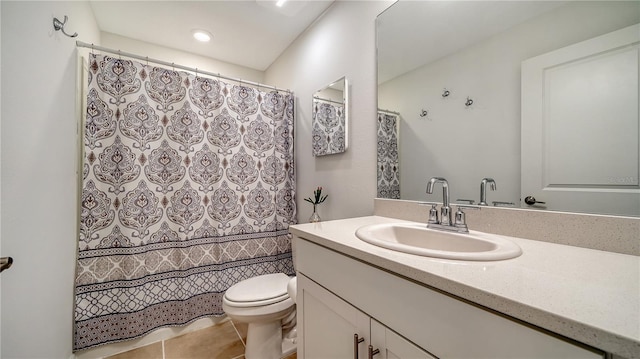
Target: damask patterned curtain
[(328, 133), (388, 164), (188, 187)]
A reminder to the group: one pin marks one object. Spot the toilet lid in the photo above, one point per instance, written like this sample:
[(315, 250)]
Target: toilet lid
[(261, 288)]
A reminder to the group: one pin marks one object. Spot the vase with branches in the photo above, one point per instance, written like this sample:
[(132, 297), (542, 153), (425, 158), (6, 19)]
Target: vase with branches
[(315, 201)]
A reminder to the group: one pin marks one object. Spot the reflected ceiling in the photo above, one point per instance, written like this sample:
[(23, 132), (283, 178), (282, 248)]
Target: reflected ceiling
[(486, 18)]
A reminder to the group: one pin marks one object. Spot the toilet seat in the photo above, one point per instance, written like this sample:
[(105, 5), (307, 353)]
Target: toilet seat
[(265, 305), (258, 291)]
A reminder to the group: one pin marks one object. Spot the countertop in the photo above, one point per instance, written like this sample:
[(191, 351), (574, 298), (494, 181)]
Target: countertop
[(588, 295)]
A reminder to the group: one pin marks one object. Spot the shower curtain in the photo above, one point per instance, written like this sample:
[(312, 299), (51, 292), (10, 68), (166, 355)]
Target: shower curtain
[(188, 187), (388, 164), (329, 132)]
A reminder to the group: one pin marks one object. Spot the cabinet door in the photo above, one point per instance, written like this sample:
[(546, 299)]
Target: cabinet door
[(392, 346), (327, 324)]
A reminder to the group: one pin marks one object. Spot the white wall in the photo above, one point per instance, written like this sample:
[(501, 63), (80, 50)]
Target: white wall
[(466, 144), (39, 156), (340, 43)]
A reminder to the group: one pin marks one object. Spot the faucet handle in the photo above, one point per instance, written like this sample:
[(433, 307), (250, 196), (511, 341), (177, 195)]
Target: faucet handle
[(460, 216), (433, 212), (428, 203), (468, 201), (503, 204), (467, 206)]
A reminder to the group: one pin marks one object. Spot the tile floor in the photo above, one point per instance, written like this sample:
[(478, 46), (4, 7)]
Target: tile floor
[(222, 341)]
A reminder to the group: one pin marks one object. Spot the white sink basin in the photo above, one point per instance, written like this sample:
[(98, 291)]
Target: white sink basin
[(420, 240)]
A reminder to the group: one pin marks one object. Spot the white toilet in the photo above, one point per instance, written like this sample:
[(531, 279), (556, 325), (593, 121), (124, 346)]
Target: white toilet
[(267, 304)]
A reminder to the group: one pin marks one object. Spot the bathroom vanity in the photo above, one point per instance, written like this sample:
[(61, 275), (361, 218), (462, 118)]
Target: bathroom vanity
[(357, 300)]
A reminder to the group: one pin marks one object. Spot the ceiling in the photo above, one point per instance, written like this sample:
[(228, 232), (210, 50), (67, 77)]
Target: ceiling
[(250, 33), (411, 34)]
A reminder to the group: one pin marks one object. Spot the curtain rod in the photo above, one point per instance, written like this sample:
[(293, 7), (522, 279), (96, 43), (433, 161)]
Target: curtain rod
[(389, 111), (175, 66)]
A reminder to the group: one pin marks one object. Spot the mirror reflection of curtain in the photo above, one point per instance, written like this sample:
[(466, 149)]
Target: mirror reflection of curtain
[(188, 187), (388, 164), (328, 133)]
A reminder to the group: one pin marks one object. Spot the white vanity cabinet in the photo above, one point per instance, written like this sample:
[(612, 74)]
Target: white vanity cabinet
[(328, 324), (339, 296), (332, 328)]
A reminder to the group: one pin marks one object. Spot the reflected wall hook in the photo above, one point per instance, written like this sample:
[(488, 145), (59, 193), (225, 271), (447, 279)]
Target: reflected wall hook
[(446, 93), (469, 102), (58, 25), (424, 113)]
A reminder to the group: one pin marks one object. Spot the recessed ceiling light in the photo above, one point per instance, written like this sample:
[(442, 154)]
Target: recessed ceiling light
[(201, 35), (280, 3)]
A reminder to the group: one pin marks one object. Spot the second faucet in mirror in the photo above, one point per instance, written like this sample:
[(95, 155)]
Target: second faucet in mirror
[(483, 190)]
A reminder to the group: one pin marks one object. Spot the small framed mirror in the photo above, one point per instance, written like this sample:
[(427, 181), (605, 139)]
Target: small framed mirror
[(330, 119)]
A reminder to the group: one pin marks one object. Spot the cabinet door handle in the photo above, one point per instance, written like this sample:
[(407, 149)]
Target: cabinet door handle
[(356, 341), (373, 352)]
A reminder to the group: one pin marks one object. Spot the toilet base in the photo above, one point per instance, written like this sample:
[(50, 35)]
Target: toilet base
[(265, 341), (289, 347)]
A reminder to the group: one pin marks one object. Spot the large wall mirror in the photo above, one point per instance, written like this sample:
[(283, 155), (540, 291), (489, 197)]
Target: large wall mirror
[(330, 119), (450, 80)]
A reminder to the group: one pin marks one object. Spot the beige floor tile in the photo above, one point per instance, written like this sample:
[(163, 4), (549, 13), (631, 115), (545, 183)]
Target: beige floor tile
[(241, 328), (151, 351), (219, 342)]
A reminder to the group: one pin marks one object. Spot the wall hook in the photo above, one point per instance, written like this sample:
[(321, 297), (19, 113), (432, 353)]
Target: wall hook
[(59, 25), (424, 113), (446, 93), (469, 102)]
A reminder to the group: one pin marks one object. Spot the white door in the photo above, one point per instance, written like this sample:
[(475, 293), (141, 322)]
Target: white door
[(580, 126), (328, 325)]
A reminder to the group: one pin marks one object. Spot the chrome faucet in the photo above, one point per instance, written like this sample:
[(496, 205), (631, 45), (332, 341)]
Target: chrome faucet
[(446, 223), (483, 190), (445, 211)]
